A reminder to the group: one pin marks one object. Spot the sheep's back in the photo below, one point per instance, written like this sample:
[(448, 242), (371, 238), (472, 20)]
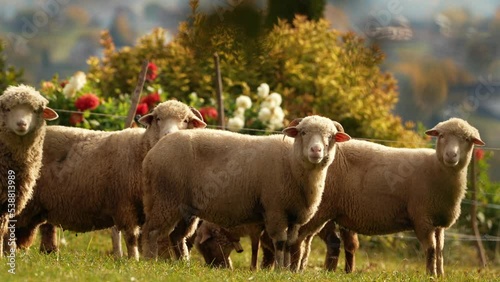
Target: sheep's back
[(219, 174)]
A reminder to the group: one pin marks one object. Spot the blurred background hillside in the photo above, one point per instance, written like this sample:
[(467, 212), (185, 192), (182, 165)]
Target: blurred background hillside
[(445, 55)]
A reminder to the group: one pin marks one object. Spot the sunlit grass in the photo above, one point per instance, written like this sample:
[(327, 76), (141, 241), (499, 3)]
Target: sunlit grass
[(87, 258)]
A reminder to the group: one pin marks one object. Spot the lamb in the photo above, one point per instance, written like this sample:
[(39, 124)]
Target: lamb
[(232, 179), (22, 131), (91, 180), (372, 189), (216, 243)]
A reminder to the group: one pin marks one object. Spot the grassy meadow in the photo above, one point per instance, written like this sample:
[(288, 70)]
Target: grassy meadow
[(86, 257)]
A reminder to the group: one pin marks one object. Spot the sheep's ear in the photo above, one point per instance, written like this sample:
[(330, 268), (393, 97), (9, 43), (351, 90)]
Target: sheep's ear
[(197, 123), (342, 137), (477, 141), (291, 130), (432, 132), (339, 126), (196, 113), (205, 235), (295, 122), (147, 120), (49, 114)]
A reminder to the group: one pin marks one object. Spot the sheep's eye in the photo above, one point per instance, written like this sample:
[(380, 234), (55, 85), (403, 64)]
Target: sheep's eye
[(158, 119), (302, 133), (330, 137), (186, 121)]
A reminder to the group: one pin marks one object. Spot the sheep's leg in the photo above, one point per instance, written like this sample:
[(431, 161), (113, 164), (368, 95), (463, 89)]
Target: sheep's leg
[(305, 250), (351, 245), (291, 238), (255, 241), (116, 239), (48, 242), (184, 229), (332, 241), (25, 236), (428, 241), (132, 241), (439, 234), (276, 226), (267, 246), (159, 220), (295, 255), (4, 221)]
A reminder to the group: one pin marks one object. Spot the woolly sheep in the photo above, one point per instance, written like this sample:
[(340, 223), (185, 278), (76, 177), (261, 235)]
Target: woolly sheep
[(216, 243), (373, 189), (22, 131), (92, 180), (231, 179)]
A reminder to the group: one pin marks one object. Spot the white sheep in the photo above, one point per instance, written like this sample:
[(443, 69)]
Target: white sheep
[(373, 189), (92, 180), (231, 179), (22, 131)]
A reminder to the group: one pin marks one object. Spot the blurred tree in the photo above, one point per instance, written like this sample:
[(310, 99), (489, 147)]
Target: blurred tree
[(8, 74), (121, 29), (77, 15), (279, 9)]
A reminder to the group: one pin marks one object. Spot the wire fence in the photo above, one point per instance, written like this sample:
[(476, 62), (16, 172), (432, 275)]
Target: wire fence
[(278, 132)]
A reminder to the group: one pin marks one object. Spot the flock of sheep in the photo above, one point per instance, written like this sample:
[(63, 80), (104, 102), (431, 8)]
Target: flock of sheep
[(279, 191)]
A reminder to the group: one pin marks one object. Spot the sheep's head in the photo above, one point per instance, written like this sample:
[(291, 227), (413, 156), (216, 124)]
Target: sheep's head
[(171, 116), (456, 138), (23, 109), (215, 244), (317, 136)]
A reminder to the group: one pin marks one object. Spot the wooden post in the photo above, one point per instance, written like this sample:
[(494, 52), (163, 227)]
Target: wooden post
[(479, 244), (137, 93), (218, 89)]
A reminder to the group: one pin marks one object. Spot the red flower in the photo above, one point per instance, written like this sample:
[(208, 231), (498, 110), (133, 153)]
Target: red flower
[(63, 83), (152, 72), (142, 109), (87, 101), (478, 154), (151, 100), (75, 118), (209, 113)]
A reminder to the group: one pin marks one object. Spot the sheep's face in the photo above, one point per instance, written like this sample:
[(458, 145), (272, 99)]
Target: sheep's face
[(22, 118), (317, 136), (455, 141), (171, 116), (216, 244)]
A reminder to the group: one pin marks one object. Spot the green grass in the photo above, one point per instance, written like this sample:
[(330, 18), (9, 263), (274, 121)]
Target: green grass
[(86, 258)]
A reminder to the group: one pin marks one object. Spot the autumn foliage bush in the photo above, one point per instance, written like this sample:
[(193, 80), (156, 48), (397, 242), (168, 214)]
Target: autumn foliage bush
[(316, 69)]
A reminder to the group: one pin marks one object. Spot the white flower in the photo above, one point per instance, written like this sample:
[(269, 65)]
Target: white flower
[(278, 113), (264, 114), (235, 124), (239, 112), (276, 98), (269, 104), (275, 122), (75, 83), (263, 90), (243, 102)]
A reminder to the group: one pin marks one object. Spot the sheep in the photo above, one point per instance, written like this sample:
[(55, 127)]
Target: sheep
[(216, 243), (231, 179), (373, 189), (91, 180), (22, 131)]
